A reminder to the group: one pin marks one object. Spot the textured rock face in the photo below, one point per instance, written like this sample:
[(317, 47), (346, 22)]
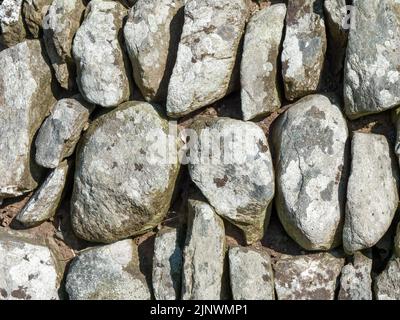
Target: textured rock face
[(28, 269), (60, 25), (61, 131), (387, 284), (12, 27), (34, 11), (372, 195), (372, 78), (303, 48), (102, 71), (44, 203), (126, 189), (237, 178), (206, 55), (397, 242), (152, 35), (355, 280), (25, 100), (258, 74), (309, 277), (204, 254), (310, 144), (108, 272), (251, 274), (167, 265)]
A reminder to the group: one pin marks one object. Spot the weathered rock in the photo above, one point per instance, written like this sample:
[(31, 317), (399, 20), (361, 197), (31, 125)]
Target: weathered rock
[(61, 131), (372, 76), (99, 56), (28, 269), (25, 100), (304, 48), (12, 29), (372, 195), (258, 73), (206, 54), (251, 274), (123, 183), (44, 203), (34, 11), (203, 254), (310, 143), (232, 166), (355, 280), (167, 265), (152, 35), (60, 25), (108, 272), (387, 284), (308, 277), (397, 242)]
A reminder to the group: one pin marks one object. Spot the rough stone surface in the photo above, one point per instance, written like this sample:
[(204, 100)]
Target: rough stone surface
[(34, 11), (308, 277), (310, 147), (206, 55), (122, 185), (28, 269), (387, 284), (258, 74), (60, 26), (372, 76), (167, 265), (12, 29), (251, 274), (355, 280), (108, 272), (238, 181), (99, 56), (304, 48), (397, 242), (372, 195), (25, 100), (203, 254), (61, 131), (44, 203), (152, 35)]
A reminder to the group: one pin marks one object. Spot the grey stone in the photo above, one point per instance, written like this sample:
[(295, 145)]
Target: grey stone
[(33, 12), (258, 73), (206, 55), (310, 147), (152, 36), (99, 55), (251, 274), (397, 241), (372, 195), (123, 182), (12, 29), (108, 272), (304, 48), (387, 284)]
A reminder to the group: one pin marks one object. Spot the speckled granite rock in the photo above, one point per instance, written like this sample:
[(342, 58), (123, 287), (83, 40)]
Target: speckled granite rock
[(12, 29), (33, 12), (387, 284)]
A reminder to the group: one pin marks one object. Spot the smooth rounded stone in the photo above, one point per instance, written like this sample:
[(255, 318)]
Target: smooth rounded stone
[(397, 242), (304, 48), (307, 277), (99, 55), (60, 132), (310, 146), (206, 55), (12, 29), (232, 166), (258, 72), (251, 274), (355, 280), (44, 203), (25, 100), (372, 194), (59, 27), (203, 254), (167, 265), (110, 272), (152, 34), (29, 269), (123, 184), (33, 12), (387, 284), (372, 76)]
